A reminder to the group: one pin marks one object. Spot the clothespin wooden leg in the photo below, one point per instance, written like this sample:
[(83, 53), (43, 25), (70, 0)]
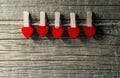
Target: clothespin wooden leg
[(42, 29), (89, 29), (73, 20), (42, 18), (89, 19), (27, 30), (57, 31), (73, 31)]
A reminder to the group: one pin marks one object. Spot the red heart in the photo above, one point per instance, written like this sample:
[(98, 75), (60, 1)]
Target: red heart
[(42, 30), (27, 31), (73, 32), (57, 32), (89, 31)]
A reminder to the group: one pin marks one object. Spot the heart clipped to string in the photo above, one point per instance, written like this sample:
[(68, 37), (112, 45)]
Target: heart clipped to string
[(27, 30), (42, 29), (73, 31), (57, 31), (89, 29)]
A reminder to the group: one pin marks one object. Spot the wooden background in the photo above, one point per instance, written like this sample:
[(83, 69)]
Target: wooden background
[(37, 57)]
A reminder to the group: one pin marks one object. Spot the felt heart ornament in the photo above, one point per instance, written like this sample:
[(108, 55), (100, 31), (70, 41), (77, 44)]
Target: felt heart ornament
[(89, 31), (73, 32), (57, 32), (27, 31), (42, 30)]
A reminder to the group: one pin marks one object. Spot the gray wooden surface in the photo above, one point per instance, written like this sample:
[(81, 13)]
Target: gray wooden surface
[(37, 57)]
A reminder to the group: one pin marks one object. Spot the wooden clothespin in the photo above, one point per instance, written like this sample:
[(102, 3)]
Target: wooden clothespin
[(73, 20), (42, 18), (57, 31), (73, 31), (57, 19), (42, 29), (26, 19), (89, 29), (89, 19), (27, 30)]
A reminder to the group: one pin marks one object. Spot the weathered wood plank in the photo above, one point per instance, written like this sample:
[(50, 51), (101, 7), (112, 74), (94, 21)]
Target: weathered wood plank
[(66, 23), (90, 43), (70, 47), (57, 65), (37, 57), (31, 3), (105, 30), (105, 39), (22, 71), (100, 12), (59, 73), (61, 57)]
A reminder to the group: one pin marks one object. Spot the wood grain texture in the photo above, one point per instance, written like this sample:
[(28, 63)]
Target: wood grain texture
[(38, 57), (31, 3), (100, 12), (64, 58), (108, 28)]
